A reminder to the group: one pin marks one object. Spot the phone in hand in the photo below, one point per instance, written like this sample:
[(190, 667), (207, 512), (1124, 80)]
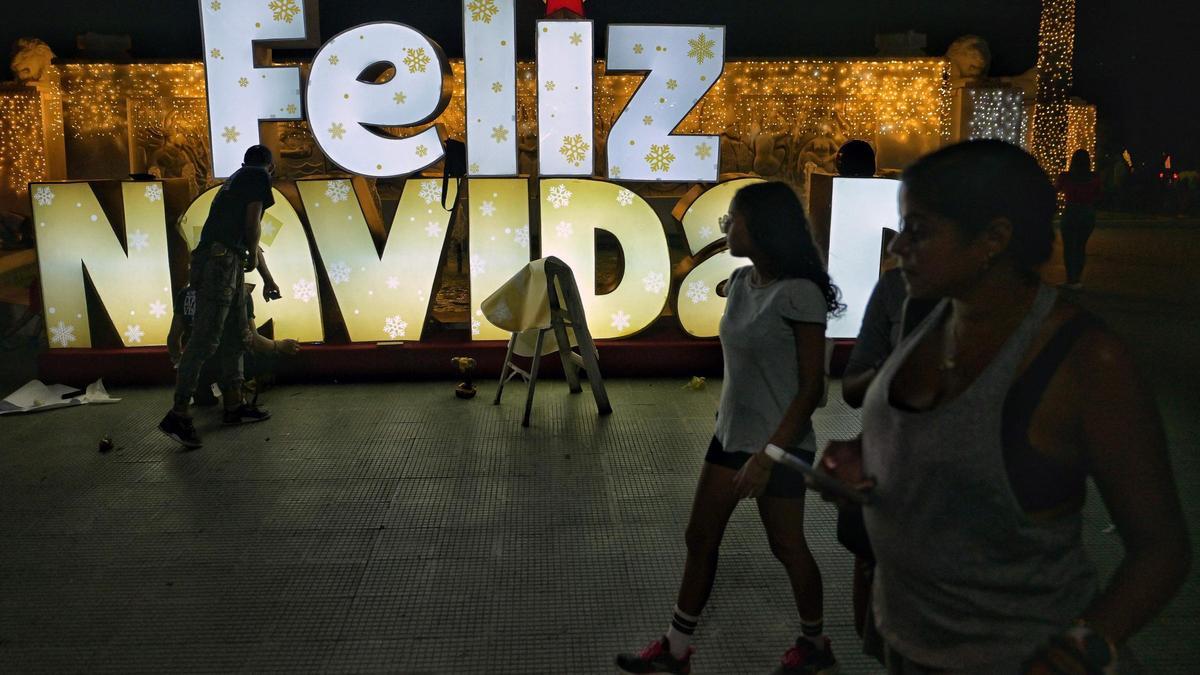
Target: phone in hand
[(821, 481)]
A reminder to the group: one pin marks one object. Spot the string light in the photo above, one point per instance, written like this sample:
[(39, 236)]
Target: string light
[(22, 145), (1056, 48), (857, 98), (997, 113), (1081, 129)]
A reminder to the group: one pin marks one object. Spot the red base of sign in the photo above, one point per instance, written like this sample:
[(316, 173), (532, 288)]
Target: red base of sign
[(657, 354)]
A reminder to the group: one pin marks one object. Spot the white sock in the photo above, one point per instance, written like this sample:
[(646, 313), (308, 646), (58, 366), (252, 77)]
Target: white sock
[(679, 633), (814, 632)]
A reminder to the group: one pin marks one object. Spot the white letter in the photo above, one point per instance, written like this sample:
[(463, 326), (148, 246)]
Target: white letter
[(239, 94), (683, 63), (861, 208), (566, 127), (489, 38), (345, 100)]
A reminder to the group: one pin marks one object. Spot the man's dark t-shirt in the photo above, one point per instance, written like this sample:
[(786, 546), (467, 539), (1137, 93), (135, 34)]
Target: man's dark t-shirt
[(226, 222)]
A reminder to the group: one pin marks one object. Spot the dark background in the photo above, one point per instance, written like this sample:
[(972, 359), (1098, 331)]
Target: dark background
[(1137, 60)]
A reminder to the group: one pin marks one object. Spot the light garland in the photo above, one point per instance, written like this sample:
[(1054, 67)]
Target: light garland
[(22, 144), (1081, 130), (859, 98), (997, 113), (1056, 48)]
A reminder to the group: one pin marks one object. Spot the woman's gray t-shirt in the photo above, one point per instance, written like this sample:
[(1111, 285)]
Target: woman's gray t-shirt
[(762, 372)]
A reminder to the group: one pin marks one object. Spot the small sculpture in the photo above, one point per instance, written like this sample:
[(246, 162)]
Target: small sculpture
[(970, 57), (30, 59), (466, 367)]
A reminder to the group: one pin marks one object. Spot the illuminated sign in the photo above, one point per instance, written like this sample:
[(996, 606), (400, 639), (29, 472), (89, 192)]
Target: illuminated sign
[(366, 85)]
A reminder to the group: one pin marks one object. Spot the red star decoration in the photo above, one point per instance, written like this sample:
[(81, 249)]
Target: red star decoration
[(574, 6)]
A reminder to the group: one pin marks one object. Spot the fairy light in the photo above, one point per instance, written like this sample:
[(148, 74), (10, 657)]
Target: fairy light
[(997, 113), (22, 146), (1056, 48), (860, 98), (1081, 130)]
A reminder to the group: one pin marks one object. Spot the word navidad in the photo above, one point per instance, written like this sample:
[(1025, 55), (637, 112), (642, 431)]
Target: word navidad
[(390, 75)]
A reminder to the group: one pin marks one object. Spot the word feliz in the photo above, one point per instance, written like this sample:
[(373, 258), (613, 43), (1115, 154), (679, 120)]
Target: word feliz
[(388, 75)]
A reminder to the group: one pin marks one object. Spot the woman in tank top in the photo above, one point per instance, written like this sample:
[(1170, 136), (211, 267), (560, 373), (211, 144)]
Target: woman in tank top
[(980, 431)]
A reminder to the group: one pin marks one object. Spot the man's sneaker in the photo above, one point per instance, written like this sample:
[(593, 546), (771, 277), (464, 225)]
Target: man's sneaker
[(656, 658), (245, 414), (179, 428), (803, 658)]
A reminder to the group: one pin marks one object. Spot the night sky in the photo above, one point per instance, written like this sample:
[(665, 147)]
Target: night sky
[(1137, 60)]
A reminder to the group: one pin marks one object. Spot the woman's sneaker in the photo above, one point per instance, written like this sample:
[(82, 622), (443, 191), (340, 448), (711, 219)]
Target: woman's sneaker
[(803, 658), (656, 658)]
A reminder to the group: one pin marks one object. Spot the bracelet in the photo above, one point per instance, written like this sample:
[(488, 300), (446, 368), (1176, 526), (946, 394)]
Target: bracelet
[(1098, 649)]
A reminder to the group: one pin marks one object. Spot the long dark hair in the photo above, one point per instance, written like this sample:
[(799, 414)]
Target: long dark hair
[(1080, 168), (780, 231)]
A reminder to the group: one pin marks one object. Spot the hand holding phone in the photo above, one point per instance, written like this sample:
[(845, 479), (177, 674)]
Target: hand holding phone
[(840, 485)]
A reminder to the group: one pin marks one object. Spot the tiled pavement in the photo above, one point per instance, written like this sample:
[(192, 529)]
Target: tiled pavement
[(393, 528)]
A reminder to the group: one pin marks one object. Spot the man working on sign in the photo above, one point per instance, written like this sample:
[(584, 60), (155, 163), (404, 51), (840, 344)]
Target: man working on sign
[(219, 263)]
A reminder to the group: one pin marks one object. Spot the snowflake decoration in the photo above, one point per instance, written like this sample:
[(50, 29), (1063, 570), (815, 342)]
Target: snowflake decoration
[(243, 82), (660, 158), (393, 283), (638, 48), (399, 98), (500, 133), (576, 39), (550, 86), (304, 290), (615, 172), (488, 209), (134, 333), (216, 5), (703, 151), (620, 321), (702, 48), (337, 190), (417, 60), (430, 192), (478, 264), (291, 109), (476, 327), (283, 10), (215, 53), (230, 134), (574, 149), (564, 230), (483, 10), (337, 131), (559, 196), (153, 193), (433, 229), (63, 334), (705, 232), (138, 240), (672, 85), (268, 229), (654, 282), (333, 59), (697, 292), (339, 273), (497, 87), (521, 235), (647, 120), (44, 196), (158, 310), (395, 327), (474, 168), (625, 197), (422, 151)]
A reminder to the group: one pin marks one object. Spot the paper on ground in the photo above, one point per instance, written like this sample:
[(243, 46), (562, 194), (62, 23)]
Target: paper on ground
[(36, 396)]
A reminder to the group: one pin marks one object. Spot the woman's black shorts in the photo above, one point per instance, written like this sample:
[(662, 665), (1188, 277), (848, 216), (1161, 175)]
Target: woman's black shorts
[(784, 482)]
